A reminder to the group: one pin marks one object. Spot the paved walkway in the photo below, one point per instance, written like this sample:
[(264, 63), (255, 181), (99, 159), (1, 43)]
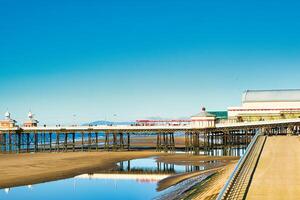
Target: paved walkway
[(277, 175)]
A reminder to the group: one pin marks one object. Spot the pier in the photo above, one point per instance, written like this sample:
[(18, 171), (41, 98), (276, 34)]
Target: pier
[(117, 138)]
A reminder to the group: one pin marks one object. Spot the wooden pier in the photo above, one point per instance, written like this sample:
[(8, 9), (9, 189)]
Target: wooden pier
[(117, 138)]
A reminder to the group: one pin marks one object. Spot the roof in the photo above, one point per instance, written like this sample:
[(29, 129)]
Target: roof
[(204, 114), (271, 95)]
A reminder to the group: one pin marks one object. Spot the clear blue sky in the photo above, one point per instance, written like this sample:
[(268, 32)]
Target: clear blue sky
[(142, 58)]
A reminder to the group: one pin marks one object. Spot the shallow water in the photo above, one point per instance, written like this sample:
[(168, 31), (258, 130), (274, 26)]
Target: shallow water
[(78, 188)]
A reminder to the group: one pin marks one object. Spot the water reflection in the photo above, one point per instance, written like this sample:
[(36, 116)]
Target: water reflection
[(146, 170), (226, 151), (151, 165)]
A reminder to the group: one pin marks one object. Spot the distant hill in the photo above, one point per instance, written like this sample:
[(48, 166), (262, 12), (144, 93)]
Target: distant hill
[(103, 122)]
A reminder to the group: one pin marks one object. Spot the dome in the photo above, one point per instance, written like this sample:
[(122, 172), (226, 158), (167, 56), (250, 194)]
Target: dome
[(30, 115), (7, 114)]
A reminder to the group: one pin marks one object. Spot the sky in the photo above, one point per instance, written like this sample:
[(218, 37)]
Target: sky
[(75, 61)]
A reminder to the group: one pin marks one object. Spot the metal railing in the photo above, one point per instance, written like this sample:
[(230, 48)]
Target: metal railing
[(224, 194)]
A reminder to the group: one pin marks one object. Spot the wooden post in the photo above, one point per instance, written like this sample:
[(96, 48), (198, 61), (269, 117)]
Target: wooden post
[(97, 142), (1, 141), (114, 141), (82, 141), (128, 141), (121, 141), (19, 135), (44, 141), (66, 142), (9, 142), (57, 141), (73, 141), (50, 141), (106, 142), (4, 142), (173, 142), (36, 140), (158, 141), (89, 141)]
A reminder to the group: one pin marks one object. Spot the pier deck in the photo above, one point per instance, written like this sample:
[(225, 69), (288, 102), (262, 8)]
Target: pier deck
[(115, 138), (277, 175)]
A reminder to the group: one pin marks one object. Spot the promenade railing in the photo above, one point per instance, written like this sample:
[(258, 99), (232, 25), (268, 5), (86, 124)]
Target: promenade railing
[(238, 183)]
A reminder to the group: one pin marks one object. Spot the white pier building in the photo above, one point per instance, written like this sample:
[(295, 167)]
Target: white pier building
[(261, 105)]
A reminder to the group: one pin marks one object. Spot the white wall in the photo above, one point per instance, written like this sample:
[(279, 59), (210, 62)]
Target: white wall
[(263, 108)]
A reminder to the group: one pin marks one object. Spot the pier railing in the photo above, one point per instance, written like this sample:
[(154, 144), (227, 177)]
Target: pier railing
[(238, 183)]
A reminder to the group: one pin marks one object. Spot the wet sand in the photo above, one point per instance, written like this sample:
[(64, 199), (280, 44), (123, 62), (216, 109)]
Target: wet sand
[(189, 159), (210, 188), (172, 180)]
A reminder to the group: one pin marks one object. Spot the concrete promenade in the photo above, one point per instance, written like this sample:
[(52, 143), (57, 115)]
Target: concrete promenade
[(277, 175)]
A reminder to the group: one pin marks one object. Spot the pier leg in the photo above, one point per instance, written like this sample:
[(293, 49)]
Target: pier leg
[(27, 142), (128, 141), (73, 141), (66, 142), (114, 141), (19, 136), (186, 141), (36, 139), (82, 141), (1, 141), (9, 142), (158, 141), (44, 141), (50, 141), (97, 142), (57, 141), (4, 142), (121, 141), (89, 141), (172, 142), (106, 142), (165, 142)]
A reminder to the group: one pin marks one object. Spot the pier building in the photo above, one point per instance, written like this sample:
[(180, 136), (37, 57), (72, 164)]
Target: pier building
[(260, 105), (203, 119), (31, 121), (8, 122)]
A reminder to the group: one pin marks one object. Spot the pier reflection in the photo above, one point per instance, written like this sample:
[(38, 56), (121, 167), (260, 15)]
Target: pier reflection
[(226, 151), (148, 166), (146, 170)]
